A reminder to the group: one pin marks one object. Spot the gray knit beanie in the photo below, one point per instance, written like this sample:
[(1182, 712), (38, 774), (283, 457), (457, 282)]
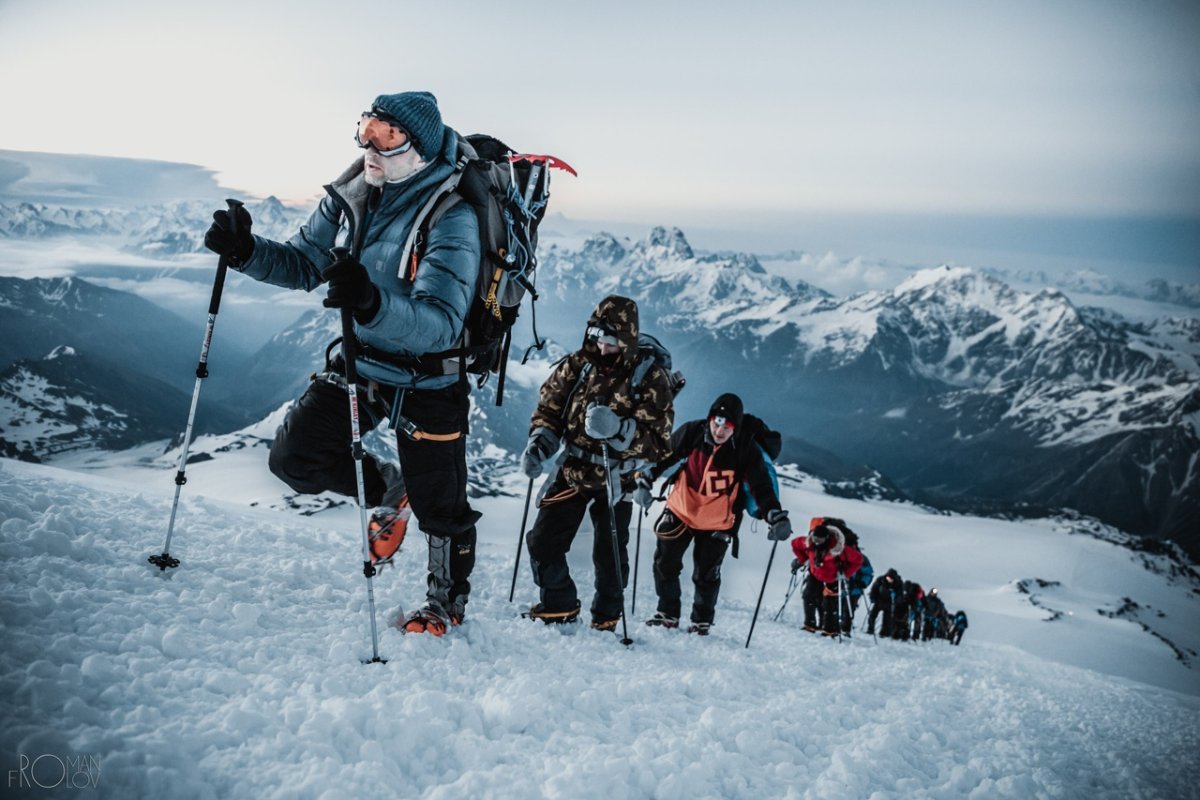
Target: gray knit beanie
[(417, 113)]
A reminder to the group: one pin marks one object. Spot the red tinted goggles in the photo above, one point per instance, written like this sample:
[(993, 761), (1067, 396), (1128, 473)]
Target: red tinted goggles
[(388, 138)]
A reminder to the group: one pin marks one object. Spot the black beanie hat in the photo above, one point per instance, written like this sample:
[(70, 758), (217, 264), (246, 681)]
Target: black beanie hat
[(729, 406)]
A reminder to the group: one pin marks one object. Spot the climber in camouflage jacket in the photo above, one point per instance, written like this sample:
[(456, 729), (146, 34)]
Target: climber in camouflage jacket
[(590, 399)]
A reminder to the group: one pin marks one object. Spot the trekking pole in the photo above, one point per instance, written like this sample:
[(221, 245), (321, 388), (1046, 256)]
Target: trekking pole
[(520, 540), (637, 560), (757, 605), (612, 525), (866, 626), (843, 602), (165, 561), (792, 584), (356, 448)]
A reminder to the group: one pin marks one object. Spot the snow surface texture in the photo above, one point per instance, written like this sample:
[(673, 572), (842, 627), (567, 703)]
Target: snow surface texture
[(239, 675)]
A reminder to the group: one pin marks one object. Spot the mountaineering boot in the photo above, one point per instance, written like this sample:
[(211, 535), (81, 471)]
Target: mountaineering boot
[(661, 620), (604, 624), (458, 611), (810, 628), (430, 618), (699, 628), (386, 531), (539, 611)]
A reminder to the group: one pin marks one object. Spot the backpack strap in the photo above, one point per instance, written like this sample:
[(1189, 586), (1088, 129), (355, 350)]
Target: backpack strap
[(640, 370), (445, 198), (584, 371)]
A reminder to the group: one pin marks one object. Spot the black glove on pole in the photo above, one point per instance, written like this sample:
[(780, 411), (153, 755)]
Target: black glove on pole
[(350, 288), (520, 540), (758, 605), (236, 214), (340, 256)]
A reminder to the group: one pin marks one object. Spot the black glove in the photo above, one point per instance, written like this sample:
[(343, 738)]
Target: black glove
[(641, 493), (543, 443), (781, 529), (222, 239), (350, 287), (795, 565)]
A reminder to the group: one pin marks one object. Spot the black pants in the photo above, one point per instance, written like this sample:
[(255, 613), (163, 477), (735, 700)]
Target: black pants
[(821, 607), (559, 516), (901, 623), (311, 453), (707, 557), (886, 607), (956, 635)]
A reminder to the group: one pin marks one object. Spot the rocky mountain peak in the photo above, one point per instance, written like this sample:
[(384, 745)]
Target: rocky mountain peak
[(603, 248), (668, 241)]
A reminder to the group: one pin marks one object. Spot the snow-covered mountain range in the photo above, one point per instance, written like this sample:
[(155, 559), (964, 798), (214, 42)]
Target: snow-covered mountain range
[(953, 383), (962, 390), (157, 230)]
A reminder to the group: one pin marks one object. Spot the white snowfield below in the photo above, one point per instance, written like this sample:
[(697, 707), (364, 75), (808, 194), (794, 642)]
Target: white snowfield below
[(238, 675)]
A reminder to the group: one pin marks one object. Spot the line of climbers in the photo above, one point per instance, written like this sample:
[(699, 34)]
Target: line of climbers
[(832, 565)]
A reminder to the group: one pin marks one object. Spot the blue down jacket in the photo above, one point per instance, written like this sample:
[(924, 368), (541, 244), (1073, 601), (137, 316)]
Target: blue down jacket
[(415, 318)]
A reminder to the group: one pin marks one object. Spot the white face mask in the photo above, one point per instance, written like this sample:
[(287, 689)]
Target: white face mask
[(378, 170)]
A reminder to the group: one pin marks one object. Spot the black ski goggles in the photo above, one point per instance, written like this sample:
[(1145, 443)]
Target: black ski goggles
[(381, 133)]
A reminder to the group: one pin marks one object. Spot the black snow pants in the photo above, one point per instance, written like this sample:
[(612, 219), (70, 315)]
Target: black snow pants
[(708, 553), (559, 517), (311, 454)]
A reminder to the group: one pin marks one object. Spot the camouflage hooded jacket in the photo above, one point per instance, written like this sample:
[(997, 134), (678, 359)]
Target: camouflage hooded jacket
[(563, 409)]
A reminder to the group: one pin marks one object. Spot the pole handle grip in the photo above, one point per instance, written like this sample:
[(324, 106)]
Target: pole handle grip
[(214, 303)]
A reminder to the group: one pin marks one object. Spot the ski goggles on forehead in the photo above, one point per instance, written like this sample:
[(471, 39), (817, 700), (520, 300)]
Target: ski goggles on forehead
[(388, 138), (723, 422), (603, 335)]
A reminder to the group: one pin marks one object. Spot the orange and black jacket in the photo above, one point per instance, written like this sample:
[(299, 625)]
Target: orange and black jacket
[(738, 460)]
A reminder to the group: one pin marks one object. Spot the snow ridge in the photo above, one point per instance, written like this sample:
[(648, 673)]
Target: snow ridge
[(226, 680)]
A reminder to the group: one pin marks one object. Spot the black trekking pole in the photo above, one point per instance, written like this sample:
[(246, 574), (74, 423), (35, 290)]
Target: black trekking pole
[(612, 525), (637, 560), (165, 560), (520, 541), (758, 605), (349, 355), (792, 584)]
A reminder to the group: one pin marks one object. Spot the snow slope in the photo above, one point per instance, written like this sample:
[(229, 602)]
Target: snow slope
[(239, 674)]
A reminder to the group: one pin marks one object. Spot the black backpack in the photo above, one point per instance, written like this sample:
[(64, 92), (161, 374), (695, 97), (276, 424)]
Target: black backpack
[(509, 193), (850, 536)]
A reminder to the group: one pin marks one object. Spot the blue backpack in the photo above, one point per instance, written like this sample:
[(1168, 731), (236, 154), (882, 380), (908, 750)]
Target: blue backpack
[(860, 580), (769, 444)]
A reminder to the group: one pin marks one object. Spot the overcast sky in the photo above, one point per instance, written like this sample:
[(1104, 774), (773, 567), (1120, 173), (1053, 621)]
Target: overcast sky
[(677, 112)]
